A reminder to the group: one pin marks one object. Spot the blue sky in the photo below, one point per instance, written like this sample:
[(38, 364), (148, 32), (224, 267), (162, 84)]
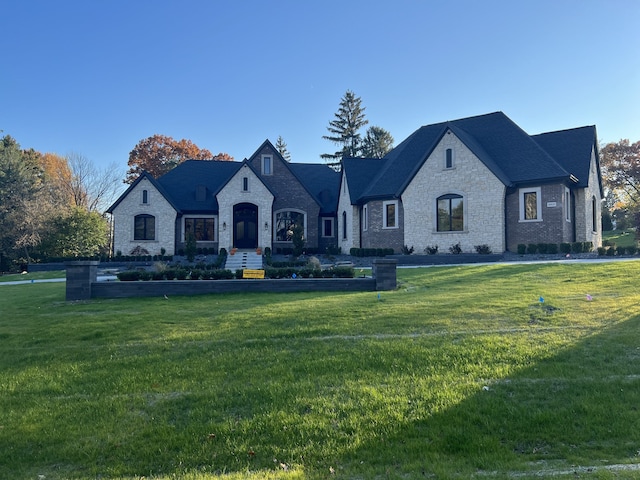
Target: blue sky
[(95, 77)]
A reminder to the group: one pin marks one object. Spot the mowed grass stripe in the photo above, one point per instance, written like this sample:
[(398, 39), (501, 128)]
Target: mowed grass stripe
[(460, 371)]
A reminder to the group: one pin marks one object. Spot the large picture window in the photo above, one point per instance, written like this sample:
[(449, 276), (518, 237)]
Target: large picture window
[(450, 213), (285, 222), (203, 229), (144, 227)]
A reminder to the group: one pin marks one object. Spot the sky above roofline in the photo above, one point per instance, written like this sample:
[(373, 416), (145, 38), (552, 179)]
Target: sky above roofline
[(96, 77)]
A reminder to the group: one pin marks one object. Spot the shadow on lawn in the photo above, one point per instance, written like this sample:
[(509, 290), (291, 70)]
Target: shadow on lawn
[(579, 407)]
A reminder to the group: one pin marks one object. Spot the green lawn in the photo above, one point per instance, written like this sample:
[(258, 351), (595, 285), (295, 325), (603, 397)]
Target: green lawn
[(460, 373), (620, 238)]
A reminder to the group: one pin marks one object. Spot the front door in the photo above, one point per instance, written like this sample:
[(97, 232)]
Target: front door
[(245, 225)]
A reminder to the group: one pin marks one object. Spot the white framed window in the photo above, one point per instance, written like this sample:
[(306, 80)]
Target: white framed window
[(327, 227), (530, 204), (365, 218), (567, 204), (390, 214), (448, 158), (267, 165)]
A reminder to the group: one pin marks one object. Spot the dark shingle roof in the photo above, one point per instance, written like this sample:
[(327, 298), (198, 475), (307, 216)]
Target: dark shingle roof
[(572, 149), (321, 181), (510, 153), (181, 182)]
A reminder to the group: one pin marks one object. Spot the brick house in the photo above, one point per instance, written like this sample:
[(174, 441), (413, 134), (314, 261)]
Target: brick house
[(474, 181)]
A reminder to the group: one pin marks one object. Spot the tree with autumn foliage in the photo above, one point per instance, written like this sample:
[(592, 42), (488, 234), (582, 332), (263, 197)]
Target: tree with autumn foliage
[(159, 154), (620, 166)]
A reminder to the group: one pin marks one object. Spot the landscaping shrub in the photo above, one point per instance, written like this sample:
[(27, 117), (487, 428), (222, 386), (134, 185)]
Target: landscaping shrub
[(602, 251), (611, 251), (565, 248), (522, 249), (532, 248), (632, 250), (407, 250), (542, 248), (129, 276), (577, 247), (552, 248), (620, 250), (455, 249), (587, 247), (483, 249), (429, 250)]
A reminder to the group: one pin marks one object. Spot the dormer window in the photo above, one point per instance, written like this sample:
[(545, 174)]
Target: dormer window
[(448, 158), (267, 165)]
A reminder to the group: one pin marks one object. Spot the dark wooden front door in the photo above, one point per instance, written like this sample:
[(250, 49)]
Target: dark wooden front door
[(245, 225)]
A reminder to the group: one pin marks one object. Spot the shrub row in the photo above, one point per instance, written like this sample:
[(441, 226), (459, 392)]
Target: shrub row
[(219, 274), (612, 250), (552, 248), (370, 252), (200, 251)]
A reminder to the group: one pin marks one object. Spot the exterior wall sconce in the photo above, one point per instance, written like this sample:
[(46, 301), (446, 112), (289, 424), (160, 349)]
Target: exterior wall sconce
[(266, 225), (224, 225)]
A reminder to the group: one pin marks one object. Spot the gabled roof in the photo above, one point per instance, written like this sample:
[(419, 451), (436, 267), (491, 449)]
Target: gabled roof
[(319, 180), (572, 148), (512, 155), (154, 182), (181, 182), (360, 173)]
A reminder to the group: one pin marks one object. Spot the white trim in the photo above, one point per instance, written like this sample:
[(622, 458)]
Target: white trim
[(521, 194), (264, 163), (385, 220), (333, 225), (275, 222), (365, 218)]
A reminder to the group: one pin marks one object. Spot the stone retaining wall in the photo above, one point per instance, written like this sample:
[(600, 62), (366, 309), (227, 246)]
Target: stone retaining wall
[(82, 284)]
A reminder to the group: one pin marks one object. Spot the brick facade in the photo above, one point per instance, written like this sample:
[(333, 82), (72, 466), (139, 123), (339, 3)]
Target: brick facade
[(482, 193), (158, 207)]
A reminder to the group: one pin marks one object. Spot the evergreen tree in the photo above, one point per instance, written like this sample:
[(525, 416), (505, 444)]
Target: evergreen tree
[(281, 146), (377, 143), (344, 129)]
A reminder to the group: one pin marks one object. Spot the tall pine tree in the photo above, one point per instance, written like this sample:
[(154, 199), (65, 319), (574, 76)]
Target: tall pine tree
[(377, 142), (281, 146), (344, 129)]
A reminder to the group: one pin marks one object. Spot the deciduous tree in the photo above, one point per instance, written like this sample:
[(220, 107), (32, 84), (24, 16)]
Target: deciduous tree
[(620, 165), (159, 154)]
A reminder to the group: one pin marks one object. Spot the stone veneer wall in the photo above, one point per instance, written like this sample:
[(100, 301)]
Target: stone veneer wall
[(159, 207), (231, 195), (483, 195), (353, 219), (585, 230), (82, 284)]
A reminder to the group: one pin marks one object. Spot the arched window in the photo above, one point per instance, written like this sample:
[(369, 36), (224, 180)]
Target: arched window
[(594, 214), (450, 213), (344, 225), (144, 227), (145, 196), (285, 221)]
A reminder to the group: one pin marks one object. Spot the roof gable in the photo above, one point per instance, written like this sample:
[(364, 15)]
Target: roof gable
[(572, 148), (154, 182)]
